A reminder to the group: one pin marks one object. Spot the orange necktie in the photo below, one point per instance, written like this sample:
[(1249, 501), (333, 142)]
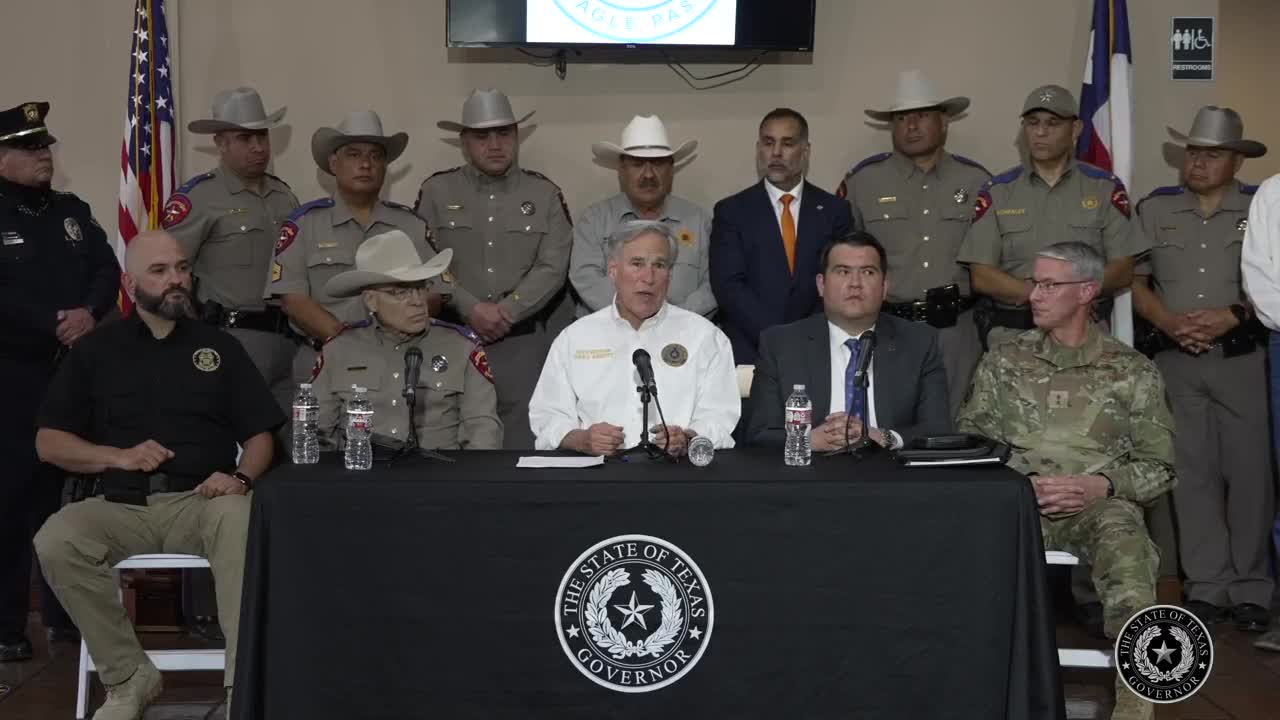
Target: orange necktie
[(789, 231)]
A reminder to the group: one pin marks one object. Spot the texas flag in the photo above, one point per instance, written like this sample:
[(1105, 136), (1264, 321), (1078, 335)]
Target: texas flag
[(1106, 107)]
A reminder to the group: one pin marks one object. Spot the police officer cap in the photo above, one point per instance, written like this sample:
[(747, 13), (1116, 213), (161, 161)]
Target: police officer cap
[(1053, 98), (23, 126)]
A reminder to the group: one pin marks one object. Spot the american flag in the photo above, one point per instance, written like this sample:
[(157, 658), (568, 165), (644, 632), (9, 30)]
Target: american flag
[(148, 155)]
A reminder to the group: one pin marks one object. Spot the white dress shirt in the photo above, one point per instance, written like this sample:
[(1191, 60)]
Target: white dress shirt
[(840, 356), (1260, 256), (588, 377), (775, 195)]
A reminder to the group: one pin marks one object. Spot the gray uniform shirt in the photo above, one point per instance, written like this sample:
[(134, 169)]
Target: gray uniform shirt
[(690, 276), (227, 231)]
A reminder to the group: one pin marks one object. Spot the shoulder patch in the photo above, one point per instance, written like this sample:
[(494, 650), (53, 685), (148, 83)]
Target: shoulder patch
[(186, 186), (1248, 189), (982, 204), (1006, 177), (288, 231), (481, 362), (176, 210), (308, 207), (971, 163), (877, 158)]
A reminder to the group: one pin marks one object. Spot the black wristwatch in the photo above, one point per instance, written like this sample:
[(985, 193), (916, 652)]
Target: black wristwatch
[(244, 479), (1242, 315)]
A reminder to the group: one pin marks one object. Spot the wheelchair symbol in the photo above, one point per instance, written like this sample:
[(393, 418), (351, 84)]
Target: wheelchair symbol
[(1188, 40)]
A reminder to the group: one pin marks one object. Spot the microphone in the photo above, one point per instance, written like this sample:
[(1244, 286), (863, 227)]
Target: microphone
[(412, 369), (868, 349), (640, 358)]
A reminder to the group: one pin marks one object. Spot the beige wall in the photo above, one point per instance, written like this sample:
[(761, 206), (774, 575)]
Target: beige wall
[(1248, 58), (324, 57)]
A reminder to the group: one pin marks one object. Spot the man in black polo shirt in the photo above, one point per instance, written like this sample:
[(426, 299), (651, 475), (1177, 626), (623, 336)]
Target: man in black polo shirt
[(155, 405)]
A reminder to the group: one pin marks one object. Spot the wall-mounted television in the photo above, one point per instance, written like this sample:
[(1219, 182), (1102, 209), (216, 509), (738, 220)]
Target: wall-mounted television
[(747, 24)]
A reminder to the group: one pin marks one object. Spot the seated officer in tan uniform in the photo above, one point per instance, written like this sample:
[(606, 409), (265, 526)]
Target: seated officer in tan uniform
[(155, 406), (457, 404)]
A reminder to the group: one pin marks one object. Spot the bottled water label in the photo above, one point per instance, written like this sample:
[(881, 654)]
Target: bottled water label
[(799, 415)]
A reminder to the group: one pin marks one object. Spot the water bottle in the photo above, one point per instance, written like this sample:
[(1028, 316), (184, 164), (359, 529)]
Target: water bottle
[(798, 418), (359, 454), (306, 410)]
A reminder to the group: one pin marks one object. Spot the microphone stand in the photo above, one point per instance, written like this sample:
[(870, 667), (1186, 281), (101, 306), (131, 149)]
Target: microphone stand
[(645, 447), (410, 444), (865, 446)]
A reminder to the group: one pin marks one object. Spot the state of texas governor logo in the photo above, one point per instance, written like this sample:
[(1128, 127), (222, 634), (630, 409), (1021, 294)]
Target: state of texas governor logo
[(1174, 669), (634, 613)]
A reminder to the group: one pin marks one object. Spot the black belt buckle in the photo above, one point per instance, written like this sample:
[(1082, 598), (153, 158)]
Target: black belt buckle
[(942, 305), (1238, 342)]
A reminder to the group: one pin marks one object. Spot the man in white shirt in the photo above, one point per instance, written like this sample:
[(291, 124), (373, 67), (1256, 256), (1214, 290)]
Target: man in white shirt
[(906, 394), (586, 398), (1260, 269)]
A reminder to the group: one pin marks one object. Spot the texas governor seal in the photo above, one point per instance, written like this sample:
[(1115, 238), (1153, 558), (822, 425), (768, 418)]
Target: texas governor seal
[(634, 613), (1164, 654)]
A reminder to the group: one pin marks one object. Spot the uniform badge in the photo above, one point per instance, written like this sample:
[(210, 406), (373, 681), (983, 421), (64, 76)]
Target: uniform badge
[(1164, 654), (8, 238), (288, 232), (175, 211), (1059, 399), (1046, 95), (31, 112), (1243, 224), (74, 236), (981, 205), (206, 359), (439, 363), (276, 272), (675, 355), (961, 195), (685, 237), (1090, 202), (634, 613), (447, 277), (528, 208)]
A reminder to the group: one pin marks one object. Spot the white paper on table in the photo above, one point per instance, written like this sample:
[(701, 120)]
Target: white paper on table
[(559, 462)]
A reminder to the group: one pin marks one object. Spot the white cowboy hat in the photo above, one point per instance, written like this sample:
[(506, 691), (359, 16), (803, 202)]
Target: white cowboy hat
[(1216, 127), (483, 109), (917, 92), (645, 136), (238, 109), (386, 259), (359, 126)]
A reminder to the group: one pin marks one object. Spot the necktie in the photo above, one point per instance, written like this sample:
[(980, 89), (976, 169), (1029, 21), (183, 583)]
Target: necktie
[(789, 231), (854, 398)]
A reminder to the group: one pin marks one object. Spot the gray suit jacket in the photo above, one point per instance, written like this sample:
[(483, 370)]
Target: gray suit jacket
[(910, 383)]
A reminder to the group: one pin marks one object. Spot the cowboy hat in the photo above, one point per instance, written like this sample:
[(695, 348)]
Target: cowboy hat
[(359, 126), (482, 110), (917, 92), (386, 259), (645, 136), (1216, 127), (238, 109)]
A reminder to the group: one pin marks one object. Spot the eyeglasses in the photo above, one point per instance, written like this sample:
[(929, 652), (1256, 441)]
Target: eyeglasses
[(1051, 286), (401, 293)]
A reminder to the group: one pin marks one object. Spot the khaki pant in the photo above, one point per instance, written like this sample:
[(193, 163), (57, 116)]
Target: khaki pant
[(960, 349), (272, 354), (80, 544)]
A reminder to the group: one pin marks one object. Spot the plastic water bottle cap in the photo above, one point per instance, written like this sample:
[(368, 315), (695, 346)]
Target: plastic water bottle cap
[(305, 386), (797, 387)]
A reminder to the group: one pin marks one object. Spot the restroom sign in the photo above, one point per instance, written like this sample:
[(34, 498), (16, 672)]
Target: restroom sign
[(1191, 46)]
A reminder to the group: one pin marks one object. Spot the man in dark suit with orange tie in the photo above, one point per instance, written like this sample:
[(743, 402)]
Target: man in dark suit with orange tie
[(766, 240), (906, 396)]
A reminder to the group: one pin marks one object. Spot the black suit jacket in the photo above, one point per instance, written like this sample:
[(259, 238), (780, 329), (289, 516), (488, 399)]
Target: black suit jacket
[(910, 383), (749, 275)]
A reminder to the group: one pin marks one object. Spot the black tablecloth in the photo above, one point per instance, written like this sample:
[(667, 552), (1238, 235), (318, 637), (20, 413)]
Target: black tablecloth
[(845, 589)]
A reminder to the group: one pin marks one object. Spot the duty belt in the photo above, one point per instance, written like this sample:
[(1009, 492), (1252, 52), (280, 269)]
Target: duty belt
[(940, 307), (270, 319)]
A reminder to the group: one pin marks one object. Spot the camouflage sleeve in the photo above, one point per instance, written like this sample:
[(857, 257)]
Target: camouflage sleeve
[(550, 269), (979, 414), (1148, 474)]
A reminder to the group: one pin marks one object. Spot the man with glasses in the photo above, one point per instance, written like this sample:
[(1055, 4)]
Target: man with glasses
[(1088, 422), (456, 404), (1050, 197)]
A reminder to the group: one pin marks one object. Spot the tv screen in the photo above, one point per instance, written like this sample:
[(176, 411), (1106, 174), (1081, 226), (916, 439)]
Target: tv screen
[(749, 24)]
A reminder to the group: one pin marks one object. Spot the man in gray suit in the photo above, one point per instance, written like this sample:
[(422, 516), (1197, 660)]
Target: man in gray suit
[(822, 351)]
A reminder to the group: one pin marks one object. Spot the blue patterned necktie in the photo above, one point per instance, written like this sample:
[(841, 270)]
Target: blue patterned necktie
[(854, 398)]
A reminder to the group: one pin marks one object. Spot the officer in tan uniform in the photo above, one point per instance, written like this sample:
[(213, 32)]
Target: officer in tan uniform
[(1205, 341), (456, 402), (918, 202), (226, 221), (319, 240), (1051, 197), (510, 232)]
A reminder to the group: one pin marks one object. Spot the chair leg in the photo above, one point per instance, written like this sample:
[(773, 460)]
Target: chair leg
[(82, 691)]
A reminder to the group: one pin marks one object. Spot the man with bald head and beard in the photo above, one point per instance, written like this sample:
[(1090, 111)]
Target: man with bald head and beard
[(154, 406)]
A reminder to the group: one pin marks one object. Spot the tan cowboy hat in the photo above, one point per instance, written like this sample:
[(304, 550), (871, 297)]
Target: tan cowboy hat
[(238, 109), (1216, 127), (645, 136), (917, 92), (386, 259), (359, 126), (483, 109)]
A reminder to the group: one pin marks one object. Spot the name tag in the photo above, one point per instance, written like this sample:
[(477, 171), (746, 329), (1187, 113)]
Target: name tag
[(453, 207), (326, 245), (888, 199), (601, 354), (1012, 211), (11, 238)]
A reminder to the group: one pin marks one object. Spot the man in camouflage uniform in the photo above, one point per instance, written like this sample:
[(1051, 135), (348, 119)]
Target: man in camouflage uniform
[(456, 404), (226, 221), (918, 202), (319, 240), (1206, 344), (1051, 197), (1087, 419), (510, 232)]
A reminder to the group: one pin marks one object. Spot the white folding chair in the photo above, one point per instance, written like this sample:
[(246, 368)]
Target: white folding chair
[(164, 660), (1077, 657)]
